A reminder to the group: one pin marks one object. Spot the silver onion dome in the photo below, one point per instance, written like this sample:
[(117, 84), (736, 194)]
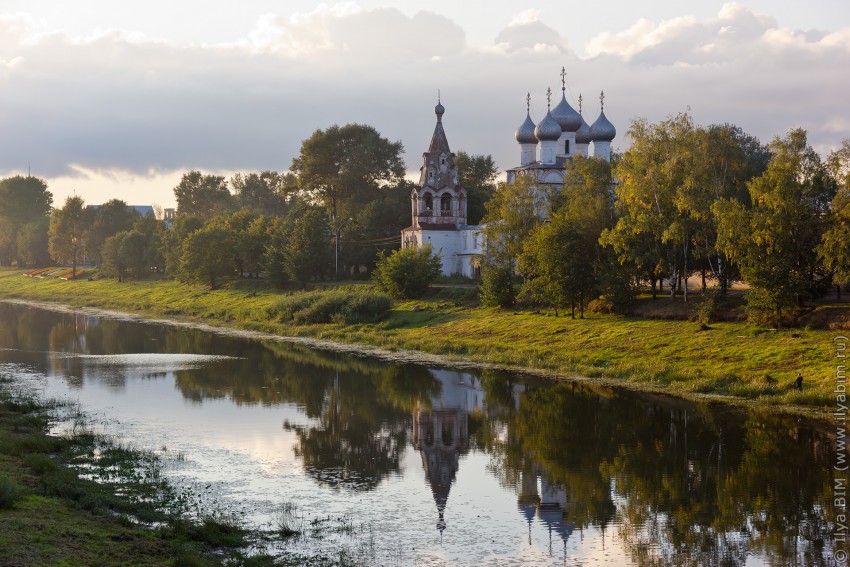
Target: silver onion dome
[(525, 133), (566, 116), (439, 110), (583, 133), (602, 130), (548, 129)]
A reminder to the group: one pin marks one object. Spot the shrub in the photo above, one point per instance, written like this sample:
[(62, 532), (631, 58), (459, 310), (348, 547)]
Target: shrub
[(10, 492), (601, 305), (497, 285), (348, 306), (407, 273), (706, 309)]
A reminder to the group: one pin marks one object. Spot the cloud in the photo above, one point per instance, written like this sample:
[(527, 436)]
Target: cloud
[(526, 31), (77, 108), (345, 29)]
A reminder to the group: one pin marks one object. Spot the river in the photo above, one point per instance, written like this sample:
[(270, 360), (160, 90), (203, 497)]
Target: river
[(390, 463)]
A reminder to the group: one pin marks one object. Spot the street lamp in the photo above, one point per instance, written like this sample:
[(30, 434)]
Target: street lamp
[(336, 246)]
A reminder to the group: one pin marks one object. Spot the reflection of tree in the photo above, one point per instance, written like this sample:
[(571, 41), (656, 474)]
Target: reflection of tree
[(692, 486), (358, 440)]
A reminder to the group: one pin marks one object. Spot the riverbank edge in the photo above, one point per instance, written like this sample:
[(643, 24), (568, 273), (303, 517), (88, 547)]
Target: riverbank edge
[(818, 414), (52, 514)]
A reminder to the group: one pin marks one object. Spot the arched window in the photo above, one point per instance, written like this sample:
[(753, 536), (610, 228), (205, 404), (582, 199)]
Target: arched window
[(429, 202), (446, 203)]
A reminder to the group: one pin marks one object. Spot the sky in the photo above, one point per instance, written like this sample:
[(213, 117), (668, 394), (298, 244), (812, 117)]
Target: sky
[(108, 99)]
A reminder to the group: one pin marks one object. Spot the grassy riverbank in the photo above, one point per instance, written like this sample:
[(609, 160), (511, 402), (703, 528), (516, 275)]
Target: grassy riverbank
[(732, 361), (50, 515)]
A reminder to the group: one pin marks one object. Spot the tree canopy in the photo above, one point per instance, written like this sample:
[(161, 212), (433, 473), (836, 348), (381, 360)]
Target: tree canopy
[(345, 165), (203, 196)]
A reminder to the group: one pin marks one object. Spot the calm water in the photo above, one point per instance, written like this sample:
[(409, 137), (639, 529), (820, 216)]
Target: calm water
[(398, 464)]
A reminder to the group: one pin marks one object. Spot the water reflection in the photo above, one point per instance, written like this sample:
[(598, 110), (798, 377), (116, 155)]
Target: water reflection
[(665, 482)]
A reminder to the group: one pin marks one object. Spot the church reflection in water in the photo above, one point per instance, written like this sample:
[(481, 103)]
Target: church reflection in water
[(441, 432), (441, 436)]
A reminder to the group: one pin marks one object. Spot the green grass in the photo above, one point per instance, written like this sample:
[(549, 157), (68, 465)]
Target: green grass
[(732, 360)]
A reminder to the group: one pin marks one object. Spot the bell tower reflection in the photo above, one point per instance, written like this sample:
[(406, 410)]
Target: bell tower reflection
[(540, 497), (441, 432)]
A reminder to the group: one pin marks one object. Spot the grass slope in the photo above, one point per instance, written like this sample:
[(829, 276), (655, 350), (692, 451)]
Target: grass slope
[(732, 361)]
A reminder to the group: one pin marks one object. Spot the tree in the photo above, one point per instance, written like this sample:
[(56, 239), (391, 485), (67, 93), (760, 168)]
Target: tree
[(557, 265), (497, 282), (512, 213), (125, 252), (651, 173), (23, 200), (110, 218), (268, 193), (477, 174), (344, 166), (207, 255), (374, 226), (153, 231), (306, 253), (407, 273), (587, 204), (67, 232), (172, 241), (203, 196), (834, 249), (775, 243), (32, 242)]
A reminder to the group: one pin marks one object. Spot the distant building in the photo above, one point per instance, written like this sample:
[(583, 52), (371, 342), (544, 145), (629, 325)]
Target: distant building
[(143, 210)]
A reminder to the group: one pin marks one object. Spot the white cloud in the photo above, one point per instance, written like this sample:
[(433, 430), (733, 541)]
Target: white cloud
[(525, 17)]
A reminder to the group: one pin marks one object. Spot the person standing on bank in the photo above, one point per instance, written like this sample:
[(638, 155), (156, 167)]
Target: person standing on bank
[(798, 383)]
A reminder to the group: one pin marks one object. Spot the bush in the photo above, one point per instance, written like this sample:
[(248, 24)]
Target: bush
[(706, 309), (407, 273), (601, 305), (497, 285), (348, 306), (10, 492)]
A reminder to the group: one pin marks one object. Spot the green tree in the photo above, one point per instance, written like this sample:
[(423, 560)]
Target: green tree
[(32, 242), (268, 193), (106, 220), (172, 241), (207, 255), (497, 282), (203, 196), (834, 250), (775, 243), (557, 265), (23, 200), (344, 166), (125, 252), (374, 227), (306, 253), (512, 213), (477, 174), (67, 232), (407, 273), (153, 231), (650, 229), (588, 204)]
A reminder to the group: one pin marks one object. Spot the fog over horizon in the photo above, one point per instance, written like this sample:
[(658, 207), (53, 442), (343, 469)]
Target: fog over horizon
[(122, 114)]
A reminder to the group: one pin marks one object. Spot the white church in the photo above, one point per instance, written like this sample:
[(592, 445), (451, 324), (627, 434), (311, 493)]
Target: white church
[(438, 203)]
